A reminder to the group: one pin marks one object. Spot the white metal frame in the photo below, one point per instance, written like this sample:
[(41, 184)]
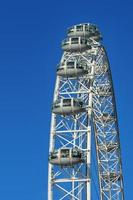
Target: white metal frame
[(96, 91)]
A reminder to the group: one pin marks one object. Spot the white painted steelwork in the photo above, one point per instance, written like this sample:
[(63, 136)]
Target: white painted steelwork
[(72, 180)]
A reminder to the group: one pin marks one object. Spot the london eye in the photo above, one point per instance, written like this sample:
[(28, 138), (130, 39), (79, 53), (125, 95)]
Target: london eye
[(84, 113)]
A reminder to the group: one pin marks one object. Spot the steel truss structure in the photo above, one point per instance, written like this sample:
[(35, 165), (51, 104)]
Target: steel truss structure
[(71, 130)]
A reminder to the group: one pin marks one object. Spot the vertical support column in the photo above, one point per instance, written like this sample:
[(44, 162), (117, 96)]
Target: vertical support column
[(51, 147), (89, 132), (89, 148), (51, 144), (50, 191), (74, 143), (88, 164)]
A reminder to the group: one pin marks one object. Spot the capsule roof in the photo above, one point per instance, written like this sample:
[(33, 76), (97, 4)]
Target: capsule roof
[(84, 29)]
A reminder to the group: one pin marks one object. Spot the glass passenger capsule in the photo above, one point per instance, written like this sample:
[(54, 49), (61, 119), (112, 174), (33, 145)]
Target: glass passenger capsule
[(108, 146), (112, 176), (86, 30), (100, 70), (71, 69), (103, 90), (75, 44), (66, 156), (106, 117), (68, 106)]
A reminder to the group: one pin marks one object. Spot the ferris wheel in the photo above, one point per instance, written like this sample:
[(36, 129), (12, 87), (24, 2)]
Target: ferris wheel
[(84, 113)]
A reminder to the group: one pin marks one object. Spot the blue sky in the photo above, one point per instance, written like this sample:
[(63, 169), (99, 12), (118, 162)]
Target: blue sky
[(30, 38)]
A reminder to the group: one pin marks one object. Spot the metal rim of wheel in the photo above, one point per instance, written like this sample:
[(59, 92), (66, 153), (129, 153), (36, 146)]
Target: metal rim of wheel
[(84, 105)]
